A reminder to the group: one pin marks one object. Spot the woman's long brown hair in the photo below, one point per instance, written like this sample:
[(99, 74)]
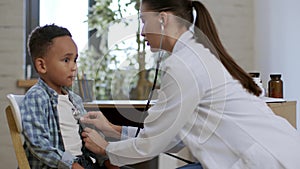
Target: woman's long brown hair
[(204, 25)]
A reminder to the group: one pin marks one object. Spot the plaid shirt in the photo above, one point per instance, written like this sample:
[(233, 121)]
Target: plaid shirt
[(43, 140)]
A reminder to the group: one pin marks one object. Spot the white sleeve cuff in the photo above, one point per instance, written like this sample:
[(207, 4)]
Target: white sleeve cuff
[(66, 160), (128, 132)]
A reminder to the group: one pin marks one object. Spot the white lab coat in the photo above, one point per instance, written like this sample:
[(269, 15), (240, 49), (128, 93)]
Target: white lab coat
[(223, 126)]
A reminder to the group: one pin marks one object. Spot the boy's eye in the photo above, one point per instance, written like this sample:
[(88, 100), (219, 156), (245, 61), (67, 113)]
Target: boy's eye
[(66, 60), (75, 60)]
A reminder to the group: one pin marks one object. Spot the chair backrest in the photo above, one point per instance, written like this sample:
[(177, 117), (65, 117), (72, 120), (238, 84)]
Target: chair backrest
[(14, 101), (13, 116)]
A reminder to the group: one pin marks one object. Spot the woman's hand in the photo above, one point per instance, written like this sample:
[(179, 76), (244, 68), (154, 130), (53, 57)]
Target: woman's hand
[(94, 142), (100, 122)]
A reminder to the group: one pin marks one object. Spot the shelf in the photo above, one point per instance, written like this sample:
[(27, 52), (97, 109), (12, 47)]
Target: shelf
[(26, 83)]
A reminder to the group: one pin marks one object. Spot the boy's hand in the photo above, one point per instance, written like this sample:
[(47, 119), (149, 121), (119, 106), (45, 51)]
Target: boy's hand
[(77, 166), (109, 165)]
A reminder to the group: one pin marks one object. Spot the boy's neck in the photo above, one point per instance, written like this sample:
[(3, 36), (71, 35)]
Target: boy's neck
[(59, 90), (63, 91)]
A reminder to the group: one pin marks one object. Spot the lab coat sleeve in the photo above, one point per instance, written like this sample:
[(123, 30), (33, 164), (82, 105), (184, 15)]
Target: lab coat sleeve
[(128, 132), (175, 149), (178, 97)]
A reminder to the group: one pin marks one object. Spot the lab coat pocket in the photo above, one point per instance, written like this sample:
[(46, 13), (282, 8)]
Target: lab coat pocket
[(256, 157)]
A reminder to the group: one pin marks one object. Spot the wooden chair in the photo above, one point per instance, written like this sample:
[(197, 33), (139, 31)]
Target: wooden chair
[(13, 116)]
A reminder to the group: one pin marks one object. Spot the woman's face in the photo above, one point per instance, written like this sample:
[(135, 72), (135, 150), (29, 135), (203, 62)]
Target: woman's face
[(151, 29)]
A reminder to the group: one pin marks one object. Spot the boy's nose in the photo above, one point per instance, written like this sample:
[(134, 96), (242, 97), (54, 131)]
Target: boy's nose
[(74, 67)]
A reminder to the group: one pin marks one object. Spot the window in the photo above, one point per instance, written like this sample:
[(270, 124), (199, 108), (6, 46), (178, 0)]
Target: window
[(71, 14)]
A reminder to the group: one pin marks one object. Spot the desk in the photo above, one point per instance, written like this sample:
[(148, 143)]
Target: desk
[(133, 110), (286, 110), (120, 112), (137, 104)]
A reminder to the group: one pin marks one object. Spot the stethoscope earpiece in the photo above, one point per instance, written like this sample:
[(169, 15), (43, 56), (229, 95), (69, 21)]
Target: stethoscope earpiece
[(162, 24)]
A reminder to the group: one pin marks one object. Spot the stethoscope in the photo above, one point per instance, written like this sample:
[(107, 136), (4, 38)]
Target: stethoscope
[(160, 55)]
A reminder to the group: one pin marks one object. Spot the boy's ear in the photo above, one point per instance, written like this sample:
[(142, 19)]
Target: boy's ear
[(40, 65)]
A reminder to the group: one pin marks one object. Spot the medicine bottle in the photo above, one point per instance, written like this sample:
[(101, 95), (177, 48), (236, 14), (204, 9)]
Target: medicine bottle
[(275, 86), (256, 78)]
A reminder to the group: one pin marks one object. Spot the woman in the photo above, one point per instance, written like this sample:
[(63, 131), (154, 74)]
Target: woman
[(206, 101)]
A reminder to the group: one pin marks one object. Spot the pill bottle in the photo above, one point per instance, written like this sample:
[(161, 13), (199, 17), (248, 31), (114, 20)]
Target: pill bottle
[(275, 86)]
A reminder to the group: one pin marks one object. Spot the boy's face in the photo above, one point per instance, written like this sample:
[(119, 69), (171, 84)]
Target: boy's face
[(60, 63)]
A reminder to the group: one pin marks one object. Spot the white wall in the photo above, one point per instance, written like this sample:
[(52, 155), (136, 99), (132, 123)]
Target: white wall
[(234, 20), (277, 47)]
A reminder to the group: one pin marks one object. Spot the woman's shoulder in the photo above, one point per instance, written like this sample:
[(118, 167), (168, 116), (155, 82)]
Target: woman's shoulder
[(189, 55)]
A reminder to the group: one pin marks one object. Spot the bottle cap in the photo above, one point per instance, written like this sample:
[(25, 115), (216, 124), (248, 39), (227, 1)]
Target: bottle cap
[(254, 74), (275, 75)]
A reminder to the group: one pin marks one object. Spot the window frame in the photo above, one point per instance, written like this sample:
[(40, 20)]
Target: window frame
[(32, 21)]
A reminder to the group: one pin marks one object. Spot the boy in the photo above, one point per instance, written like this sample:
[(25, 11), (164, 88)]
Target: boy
[(48, 110)]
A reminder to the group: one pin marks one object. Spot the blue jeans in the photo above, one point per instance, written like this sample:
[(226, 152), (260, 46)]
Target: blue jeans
[(191, 166)]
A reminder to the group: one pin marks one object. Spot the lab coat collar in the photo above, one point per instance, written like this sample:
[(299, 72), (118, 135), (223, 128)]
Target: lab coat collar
[(182, 41)]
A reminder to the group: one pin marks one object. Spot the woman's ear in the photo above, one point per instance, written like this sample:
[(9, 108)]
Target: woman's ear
[(163, 18), (40, 65)]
